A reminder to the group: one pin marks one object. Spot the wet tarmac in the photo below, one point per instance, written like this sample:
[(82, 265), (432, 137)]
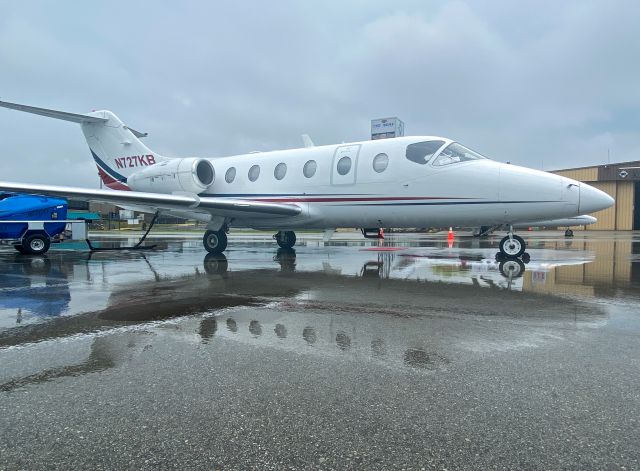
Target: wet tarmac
[(404, 355)]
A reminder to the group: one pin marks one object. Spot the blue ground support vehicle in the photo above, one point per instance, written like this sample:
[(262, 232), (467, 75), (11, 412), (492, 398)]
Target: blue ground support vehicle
[(30, 223)]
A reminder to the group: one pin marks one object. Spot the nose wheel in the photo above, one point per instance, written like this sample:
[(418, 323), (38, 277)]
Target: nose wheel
[(512, 246)]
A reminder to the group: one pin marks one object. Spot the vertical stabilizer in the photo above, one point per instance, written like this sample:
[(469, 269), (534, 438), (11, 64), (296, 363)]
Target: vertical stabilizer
[(115, 148), (117, 151)]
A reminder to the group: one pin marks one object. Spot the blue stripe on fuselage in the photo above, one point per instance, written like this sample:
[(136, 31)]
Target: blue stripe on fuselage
[(445, 203), (261, 195)]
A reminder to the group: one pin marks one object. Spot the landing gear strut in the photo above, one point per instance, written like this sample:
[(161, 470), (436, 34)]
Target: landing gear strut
[(285, 239), (215, 241), (512, 246)]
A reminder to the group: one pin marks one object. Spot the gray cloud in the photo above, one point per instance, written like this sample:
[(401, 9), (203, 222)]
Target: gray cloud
[(552, 82)]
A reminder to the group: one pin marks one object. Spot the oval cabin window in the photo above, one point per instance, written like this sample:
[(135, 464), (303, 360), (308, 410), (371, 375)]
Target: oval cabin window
[(230, 175), (254, 173), (280, 171), (380, 162), (310, 168), (344, 165)]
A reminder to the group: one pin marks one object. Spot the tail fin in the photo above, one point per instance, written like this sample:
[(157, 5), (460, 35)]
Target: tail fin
[(115, 148)]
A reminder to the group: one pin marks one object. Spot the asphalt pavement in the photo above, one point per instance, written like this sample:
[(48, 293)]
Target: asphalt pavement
[(404, 354)]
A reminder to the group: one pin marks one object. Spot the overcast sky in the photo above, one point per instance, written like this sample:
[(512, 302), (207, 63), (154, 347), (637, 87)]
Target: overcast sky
[(543, 84)]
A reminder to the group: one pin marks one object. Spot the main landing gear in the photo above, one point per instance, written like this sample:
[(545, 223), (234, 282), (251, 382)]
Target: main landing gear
[(285, 239), (215, 241)]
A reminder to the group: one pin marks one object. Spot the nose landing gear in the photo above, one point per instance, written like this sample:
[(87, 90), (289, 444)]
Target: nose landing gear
[(512, 246), (512, 255)]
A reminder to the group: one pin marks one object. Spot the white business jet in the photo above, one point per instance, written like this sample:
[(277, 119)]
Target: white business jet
[(401, 182)]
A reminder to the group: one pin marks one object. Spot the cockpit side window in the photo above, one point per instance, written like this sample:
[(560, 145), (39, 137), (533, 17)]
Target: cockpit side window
[(455, 153), (421, 152)]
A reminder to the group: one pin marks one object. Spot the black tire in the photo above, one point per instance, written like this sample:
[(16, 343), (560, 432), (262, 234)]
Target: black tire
[(512, 268), (286, 239), (215, 264), (568, 233), (215, 241), (36, 244), (512, 248)]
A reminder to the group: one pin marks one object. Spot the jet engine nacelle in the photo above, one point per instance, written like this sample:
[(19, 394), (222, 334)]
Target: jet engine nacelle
[(189, 175)]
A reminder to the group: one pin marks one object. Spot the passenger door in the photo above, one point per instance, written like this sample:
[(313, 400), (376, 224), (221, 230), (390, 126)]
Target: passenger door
[(345, 164)]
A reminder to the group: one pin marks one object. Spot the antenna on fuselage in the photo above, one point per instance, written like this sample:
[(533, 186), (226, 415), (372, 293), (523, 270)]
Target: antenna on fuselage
[(306, 140)]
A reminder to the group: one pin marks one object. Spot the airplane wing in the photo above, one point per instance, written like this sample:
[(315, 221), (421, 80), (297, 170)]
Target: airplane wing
[(226, 207)]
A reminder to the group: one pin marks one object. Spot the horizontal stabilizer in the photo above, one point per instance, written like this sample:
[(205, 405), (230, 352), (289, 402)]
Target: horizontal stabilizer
[(74, 117), (138, 134)]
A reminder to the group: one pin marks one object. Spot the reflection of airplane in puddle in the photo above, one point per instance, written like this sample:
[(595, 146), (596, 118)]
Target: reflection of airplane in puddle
[(477, 267), (455, 266), (405, 325), (397, 318)]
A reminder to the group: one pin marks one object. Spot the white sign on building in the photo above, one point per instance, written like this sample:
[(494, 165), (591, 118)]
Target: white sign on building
[(385, 128)]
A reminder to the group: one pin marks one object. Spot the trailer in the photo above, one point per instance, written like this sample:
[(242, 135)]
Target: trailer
[(32, 223)]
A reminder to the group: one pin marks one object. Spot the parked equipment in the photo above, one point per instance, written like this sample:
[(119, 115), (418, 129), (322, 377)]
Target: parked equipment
[(31, 223)]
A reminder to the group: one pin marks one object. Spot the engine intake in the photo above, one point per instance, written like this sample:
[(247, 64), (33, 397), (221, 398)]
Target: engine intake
[(189, 175)]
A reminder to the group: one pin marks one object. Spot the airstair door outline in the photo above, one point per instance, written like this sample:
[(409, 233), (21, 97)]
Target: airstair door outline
[(344, 167)]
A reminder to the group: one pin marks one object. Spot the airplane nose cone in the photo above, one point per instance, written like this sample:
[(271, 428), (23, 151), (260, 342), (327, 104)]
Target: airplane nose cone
[(592, 199)]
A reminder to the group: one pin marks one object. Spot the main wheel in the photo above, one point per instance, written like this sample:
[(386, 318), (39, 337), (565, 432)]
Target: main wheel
[(568, 233), (215, 241), (286, 239), (36, 244), (512, 247)]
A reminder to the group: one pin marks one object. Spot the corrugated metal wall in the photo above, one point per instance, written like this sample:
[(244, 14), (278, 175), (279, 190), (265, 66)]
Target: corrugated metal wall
[(624, 206), (607, 217), (588, 174)]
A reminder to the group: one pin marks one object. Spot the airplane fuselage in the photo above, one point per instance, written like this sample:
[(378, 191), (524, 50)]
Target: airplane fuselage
[(403, 194)]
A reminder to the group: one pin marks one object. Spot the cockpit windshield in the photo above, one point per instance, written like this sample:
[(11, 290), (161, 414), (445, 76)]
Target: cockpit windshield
[(455, 153), (421, 152)]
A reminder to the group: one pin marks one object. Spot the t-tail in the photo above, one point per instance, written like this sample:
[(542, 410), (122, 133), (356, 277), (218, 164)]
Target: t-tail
[(115, 147)]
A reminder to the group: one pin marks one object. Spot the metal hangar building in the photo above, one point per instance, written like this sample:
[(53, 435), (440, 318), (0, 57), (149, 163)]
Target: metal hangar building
[(622, 182)]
